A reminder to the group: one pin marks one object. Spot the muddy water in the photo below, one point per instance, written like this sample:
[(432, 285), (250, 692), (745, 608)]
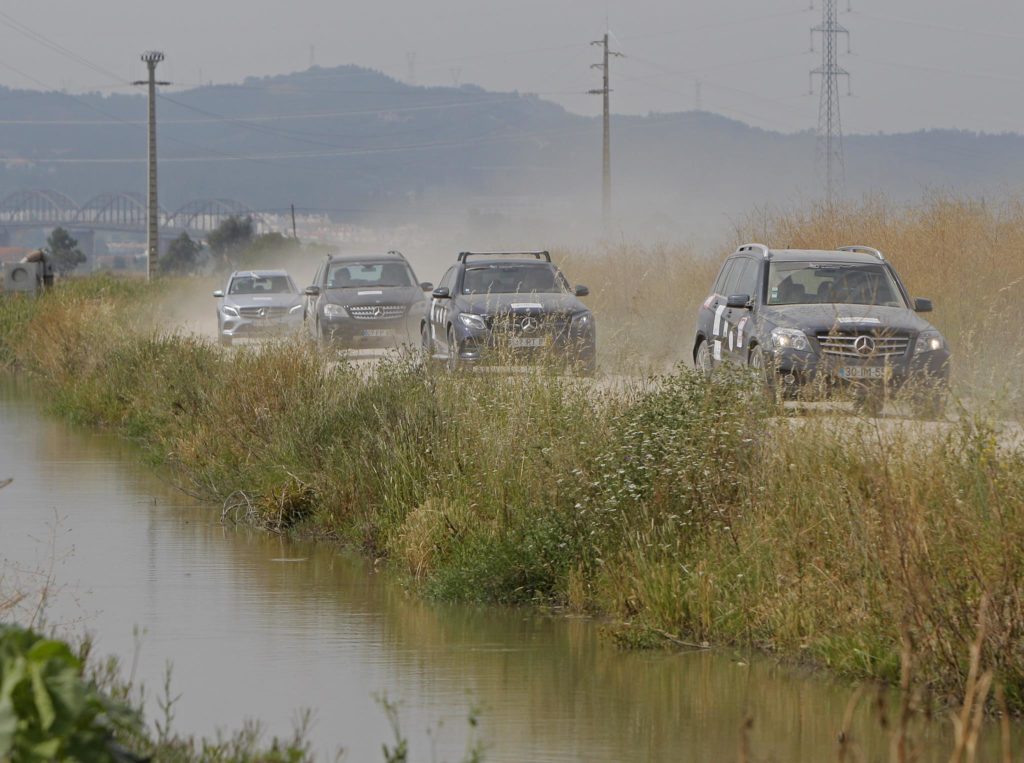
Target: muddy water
[(258, 627)]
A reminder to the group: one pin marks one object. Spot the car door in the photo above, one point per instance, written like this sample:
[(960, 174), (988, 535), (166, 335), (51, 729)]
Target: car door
[(713, 310), (312, 301), (440, 308), (741, 280)]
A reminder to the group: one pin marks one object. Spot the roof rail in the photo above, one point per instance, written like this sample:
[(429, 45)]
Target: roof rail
[(542, 254), (862, 250), (764, 250)]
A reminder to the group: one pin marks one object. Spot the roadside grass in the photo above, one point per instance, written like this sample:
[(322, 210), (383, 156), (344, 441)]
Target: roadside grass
[(683, 512)]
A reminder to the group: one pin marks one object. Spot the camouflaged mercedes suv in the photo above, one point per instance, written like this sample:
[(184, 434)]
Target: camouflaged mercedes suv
[(365, 302), (820, 320), (509, 307)]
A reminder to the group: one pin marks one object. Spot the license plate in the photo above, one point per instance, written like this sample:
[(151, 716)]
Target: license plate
[(865, 372), (522, 341), (378, 332)]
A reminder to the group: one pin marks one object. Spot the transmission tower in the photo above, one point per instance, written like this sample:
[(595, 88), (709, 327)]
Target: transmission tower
[(830, 130), (605, 91), (152, 58)]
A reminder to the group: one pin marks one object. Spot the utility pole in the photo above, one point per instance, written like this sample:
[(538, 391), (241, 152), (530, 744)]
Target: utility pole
[(606, 186), (830, 131), (152, 58)]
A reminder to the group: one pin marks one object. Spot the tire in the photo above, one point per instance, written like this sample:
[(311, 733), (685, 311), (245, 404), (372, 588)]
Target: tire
[(702, 361), (762, 376), (453, 361), (929, 406), (426, 342), (869, 402), (587, 367)]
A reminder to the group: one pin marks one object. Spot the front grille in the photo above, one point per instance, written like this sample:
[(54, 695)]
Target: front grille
[(863, 345), (376, 312), (528, 323), (262, 312)]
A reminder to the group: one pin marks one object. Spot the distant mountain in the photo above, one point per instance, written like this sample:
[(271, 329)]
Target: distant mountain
[(358, 144)]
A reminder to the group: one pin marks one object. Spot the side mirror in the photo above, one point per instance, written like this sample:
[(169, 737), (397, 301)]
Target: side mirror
[(311, 291), (426, 286), (218, 293), (922, 305), (441, 292), (581, 291), (738, 300)]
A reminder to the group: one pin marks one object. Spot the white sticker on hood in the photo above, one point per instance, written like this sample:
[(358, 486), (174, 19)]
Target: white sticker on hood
[(527, 306), (366, 293), (857, 319)]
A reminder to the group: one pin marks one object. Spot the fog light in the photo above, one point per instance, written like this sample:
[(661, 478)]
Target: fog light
[(789, 379)]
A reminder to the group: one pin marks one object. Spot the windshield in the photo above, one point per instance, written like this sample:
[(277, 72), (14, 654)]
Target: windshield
[(813, 283), (513, 279), (253, 284), (357, 275)]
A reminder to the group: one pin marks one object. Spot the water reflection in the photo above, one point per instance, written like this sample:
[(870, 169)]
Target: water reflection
[(251, 635)]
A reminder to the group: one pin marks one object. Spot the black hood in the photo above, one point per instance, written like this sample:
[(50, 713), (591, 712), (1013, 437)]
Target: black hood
[(814, 319), (499, 304)]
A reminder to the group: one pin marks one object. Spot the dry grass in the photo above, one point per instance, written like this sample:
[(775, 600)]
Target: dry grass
[(677, 509)]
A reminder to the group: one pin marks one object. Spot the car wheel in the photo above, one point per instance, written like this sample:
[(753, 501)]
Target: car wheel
[(869, 402), (929, 406), (453, 351), (702, 359), (426, 342)]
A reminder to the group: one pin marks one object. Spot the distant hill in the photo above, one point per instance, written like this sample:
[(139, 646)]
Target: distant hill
[(360, 145)]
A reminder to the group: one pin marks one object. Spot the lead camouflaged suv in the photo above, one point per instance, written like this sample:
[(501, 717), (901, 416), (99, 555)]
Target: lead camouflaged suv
[(824, 320)]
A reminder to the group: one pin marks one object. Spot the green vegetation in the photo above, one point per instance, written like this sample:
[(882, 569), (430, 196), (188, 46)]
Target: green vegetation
[(63, 248), (680, 511)]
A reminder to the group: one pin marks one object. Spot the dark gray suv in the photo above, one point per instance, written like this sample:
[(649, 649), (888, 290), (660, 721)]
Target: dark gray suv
[(365, 301), (823, 320)]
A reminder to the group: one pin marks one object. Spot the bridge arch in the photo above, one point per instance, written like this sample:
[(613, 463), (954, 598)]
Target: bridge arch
[(125, 209), (38, 206), (206, 214)]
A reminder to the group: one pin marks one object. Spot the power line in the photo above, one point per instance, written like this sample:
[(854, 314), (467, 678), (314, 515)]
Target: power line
[(830, 131), (152, 58), (605, 92)]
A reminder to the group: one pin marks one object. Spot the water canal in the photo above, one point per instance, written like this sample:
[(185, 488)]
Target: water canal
[(258, 627)]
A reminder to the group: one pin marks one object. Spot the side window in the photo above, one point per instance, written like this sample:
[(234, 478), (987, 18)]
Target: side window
[(732, 280), (746, 280), (723, 277), (448, 280)]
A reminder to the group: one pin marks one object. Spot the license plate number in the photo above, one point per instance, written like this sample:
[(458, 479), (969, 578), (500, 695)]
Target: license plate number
[(378, 332), (521, 341), (865, 372)]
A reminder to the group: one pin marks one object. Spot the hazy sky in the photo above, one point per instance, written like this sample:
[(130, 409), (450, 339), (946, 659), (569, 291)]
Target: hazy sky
[(915, 63)]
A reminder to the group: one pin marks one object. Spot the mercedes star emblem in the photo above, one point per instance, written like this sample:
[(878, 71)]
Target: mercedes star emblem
[(378, 311), (864, 345), (529, 325)]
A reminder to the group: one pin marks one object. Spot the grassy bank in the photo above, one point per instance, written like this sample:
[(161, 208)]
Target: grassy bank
[(677, 510)]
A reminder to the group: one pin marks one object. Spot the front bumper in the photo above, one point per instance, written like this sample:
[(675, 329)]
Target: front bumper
[(503, 347), (797, 370), (241, 328), (374, 334)]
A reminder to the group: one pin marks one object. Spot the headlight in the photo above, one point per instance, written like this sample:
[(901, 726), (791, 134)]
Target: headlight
[(469, 320), (790, 339), (229, 311), (334, 311), (929, 341), (295, 309), (583, 321)]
